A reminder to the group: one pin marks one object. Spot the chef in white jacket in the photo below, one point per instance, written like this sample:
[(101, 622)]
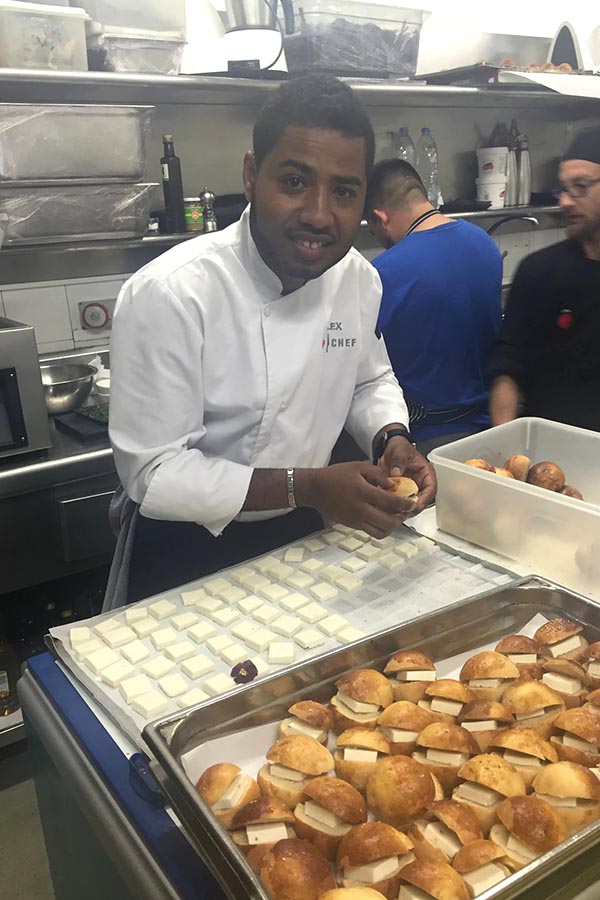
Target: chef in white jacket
[(238, 357)]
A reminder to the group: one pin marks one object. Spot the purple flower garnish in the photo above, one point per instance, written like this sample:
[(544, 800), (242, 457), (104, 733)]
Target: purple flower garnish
[(244, 672)]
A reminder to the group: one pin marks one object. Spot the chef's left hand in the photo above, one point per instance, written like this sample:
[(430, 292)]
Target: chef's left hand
[(401, 458)]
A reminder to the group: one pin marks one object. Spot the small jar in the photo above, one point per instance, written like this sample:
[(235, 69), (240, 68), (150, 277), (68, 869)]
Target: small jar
[(194, 214)]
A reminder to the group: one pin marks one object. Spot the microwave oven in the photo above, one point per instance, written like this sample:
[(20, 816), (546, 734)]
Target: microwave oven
[(24, 426)]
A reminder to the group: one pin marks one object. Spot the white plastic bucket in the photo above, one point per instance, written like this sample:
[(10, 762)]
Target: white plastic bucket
[(492, 189), (492, 161)]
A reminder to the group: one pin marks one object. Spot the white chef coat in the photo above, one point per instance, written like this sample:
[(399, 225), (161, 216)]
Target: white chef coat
[(214, 373)]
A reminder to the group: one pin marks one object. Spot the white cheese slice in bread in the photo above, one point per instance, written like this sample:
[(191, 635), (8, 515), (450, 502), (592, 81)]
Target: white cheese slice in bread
[(266, 832), (416, 675), (566, 684), (446, 757), (531, 714), (484, 877), (569, 740), (357, 706), (450, 707), (441, 837), (477, 793), (400, 735), (492, 683), (297, 726), (234, 793), (374, 871), (596, 771), (558, 801), (515, 758), (321, 815), (522, 659), (594, 668), (481, 725), (514, 845), (410, 892), (358, 754), (278, 771), (567, 645)]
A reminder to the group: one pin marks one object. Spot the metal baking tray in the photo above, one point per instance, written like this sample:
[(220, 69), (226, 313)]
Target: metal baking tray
[(456, 629)]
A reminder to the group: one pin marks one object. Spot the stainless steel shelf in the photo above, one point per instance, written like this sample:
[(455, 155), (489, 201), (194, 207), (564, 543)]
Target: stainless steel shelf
[(507, 211)]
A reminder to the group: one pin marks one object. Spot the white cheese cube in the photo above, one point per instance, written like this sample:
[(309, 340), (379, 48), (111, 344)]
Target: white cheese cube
[(238, 575), (477, 793), (180, 650), (135, 652), (286, 625), (450, 707), (319, 814), (232, 796), (350, 544), (594, 668), (522, 658), (483, 878), (82, 651), (564, 683), (201, 632), (400, 735), (521, 759), (274, 592), (309, 638), (243, 629), (254, 582), (333, 624), (521, 849), (526, 716), (192, 698), (553, 800), (105, 626), (249, 604), (281, 653), (323, 592), (297, 726), (233, 654), (145, 627), (357, 706), (332, 537), (293, 555), (136, 614), (173, 685), (284, 772), (158, 667), (209, 605), (314, 545), (293, 601), (117, 637), (184, 620), (191, 598), (596, 771), (348, 582), (218, 642), (358, 754), (492, 683), (101, 659), (407, 550), (416, 675), (233, 594), (410, 892), (114, 675), (361, 536), (266, 833), (373, 872), (390, 561), (162, 609), (260, 639), (197, 666), (218, 684), (441, 837), (310, 566), (446, 757), (349, 634), (150, 705), (281, 571), (482, 725), (424, 545), (329, 573), (569, 740), (383, 543), (265, 564), (265, 614), (368, 552), (301, 580), (225, 617), (79, 635), (133, 687), (163, 638), (216, 585), (314, 612), (567, 645), (343, 529), (262, 667), (353, 564)]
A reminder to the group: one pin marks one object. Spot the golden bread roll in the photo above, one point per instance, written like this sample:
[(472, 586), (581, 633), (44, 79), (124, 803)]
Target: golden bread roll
[(572, 790), (518, 466), (361, 697), (411, 672), (577, 736), (480, 464), (528, 827), (373, 855), (353, 893), (330, 808), (481, 865), (485, 781), (591, 664), (444, 748), (295, 870), (547, 475), (437, 879), (446, 698), (525, 750), (561, 638), (534, 705), (568, 678), (483, 718), (309, 718), (401, 723), (488, 674), (404, 487), (442, 830), (358, 751), (292, 762), (593, 701), (398, 790), (524, 652), (261, 812), (226, 789), (504, 473)]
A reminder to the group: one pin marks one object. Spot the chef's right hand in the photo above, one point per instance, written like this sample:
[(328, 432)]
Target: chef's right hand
[(356, 494)]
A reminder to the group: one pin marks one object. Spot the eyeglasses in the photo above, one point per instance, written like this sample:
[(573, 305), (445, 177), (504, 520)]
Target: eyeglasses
[(576, 190)]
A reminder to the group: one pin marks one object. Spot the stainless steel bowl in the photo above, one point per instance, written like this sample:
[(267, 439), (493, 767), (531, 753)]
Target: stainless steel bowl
[(66, 386)]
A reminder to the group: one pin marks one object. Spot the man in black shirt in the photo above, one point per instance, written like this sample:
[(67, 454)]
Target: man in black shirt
[(547, 360)]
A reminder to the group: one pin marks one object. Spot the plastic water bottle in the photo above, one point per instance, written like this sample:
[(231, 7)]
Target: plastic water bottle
[(524, 165), (406, 148), (427, 166)]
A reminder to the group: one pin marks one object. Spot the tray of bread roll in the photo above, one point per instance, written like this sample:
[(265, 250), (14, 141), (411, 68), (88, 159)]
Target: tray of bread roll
[(454, 756), (203, 640)]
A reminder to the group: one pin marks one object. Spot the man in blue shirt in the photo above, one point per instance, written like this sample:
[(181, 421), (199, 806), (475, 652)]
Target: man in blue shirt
[(441, 307)]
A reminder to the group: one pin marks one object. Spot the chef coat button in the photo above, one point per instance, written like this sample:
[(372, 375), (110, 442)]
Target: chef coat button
[(267, 312), (283, 406)]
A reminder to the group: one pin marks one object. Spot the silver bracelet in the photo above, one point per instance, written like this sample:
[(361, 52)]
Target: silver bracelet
[(290, 489)]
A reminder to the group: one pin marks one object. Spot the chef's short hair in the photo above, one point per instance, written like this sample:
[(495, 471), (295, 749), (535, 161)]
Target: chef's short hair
[(315, 100), (390, 183)]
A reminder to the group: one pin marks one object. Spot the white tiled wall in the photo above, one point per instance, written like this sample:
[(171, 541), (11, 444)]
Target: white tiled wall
[(520, 244)]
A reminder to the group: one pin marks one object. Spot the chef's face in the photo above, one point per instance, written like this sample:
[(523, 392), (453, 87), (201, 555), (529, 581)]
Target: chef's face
[(582, 211), (307, 201)]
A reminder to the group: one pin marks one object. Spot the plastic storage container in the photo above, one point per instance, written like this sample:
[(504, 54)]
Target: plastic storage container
[(354, 38), (35, 36), (151, 15), (146, 52), (75, 211), (556, 536), (40, 142)]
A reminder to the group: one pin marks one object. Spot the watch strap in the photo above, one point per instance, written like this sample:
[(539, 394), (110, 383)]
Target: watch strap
[(384, 439)]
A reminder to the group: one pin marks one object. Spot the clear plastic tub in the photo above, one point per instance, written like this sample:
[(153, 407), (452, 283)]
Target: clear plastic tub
[(76, 212), (556, 536), (36, 36), (349, 37), (146, 52), (152, 15), (40, 142)]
